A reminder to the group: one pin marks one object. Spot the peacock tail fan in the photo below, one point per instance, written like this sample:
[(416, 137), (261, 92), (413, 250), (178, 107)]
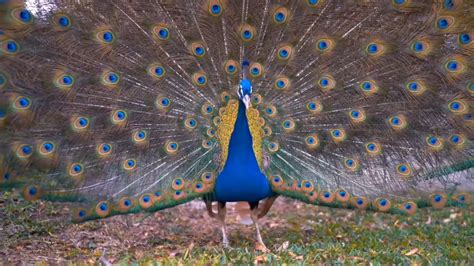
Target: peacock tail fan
[(129, 106)]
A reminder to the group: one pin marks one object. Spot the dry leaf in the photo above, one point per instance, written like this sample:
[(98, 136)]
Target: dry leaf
[(283, 246), (262, 248), (260, 259), (412, 252)]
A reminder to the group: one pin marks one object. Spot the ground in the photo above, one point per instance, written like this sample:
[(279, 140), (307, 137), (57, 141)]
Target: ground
[(295, 232)]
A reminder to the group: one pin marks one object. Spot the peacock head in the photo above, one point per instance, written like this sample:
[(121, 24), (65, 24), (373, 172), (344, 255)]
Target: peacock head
[(245, 86)]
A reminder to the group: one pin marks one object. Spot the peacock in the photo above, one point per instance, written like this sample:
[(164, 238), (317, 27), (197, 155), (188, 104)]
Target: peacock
[(128, 106)]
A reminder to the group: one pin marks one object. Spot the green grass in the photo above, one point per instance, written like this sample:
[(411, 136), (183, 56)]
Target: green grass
[(295, 232)]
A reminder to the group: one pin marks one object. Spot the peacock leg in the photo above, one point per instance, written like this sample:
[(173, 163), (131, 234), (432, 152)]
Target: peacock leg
[(221, 217), (254, 215), (266, 206)]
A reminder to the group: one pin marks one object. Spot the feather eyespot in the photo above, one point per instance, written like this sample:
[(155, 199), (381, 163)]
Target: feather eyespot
[(444, 23), (369, 87), (139, 136), (465, 39), (198, 49), (199, 187), (454, 66), (247, 33), (9, 47), (206, 144), (434, 142), (404, 169), (256, 98), (313, 3), (375, 49), (397, 122), (288, 125), (277, 181), (280, 15), (457, 107), (416, 87), (342, 195), (163, 103), (338, 135), (21, 103), (382, 204), (104, 149), (357, 116), (190, 123), (273, 146), (325, 45), (32, 193), (102, 209), (211, 132), (314, 107), (409, 207), (64, 81), (105, 37), (125, 204), (146, 200), (215, 8), (22, 16), (285, 52), (171, 147), (271, 111), (326, 83), (79, 123), (373, 148), (76, 169), (62, 21), (156, 71), (129, 164), (438, 200), (24, 151), (307, 186), (231, 67), (255, 70), (327, 196), (207, 109), (208, 177), (3, 80), (400, 3), (119, 117), (457, 140), (282, 83), (178, 183), (360, 202), (351, 164), (46, 148), (161, 32), (199, 79), (312, 141)]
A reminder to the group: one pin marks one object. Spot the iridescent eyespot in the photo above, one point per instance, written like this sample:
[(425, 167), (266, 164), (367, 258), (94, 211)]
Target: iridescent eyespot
[(3, 80), (421, 47), (104, 149), (418, 47), (156, 70), (282, 83), (397, 122), (76, 169), (357, 115), (247, 33), (102, 209), (369, 87), (457, 140), (129, 164), (256, 98), (444, 22), (416, 87), (280, 15), (454, 66), (313, 3), (457, 106), (256, 70), (3, 115), (197, 49), (338, 135), (178, 183), (105, 37), (359, 202), (208, 177), (404, 169), (62, 21), (373, 148), (199, 187), (314, 106), (110, 78), (375, 48), (171, 147), (22, 16), (46, 148), (285, 52), (162, 102), (210, 132), (118, 117), (399, 3), (215, 8), (161, 32), (21, 103), (326, 196), (351, 164), (231, 67), (207, 109), (9, 47), (24, 151), (139, 136), (382, 204), (273, 146), (32, 193), (80, 123), (277, 181), (199, 79), (464, 38), (312, 141), (434, 142), (206, 144), (190, 123), (271, 111), (326, 82), (64, 81), (324, 45), (288, 125)]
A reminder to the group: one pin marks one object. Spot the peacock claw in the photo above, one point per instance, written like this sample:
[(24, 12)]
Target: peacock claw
[(262, 248)]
